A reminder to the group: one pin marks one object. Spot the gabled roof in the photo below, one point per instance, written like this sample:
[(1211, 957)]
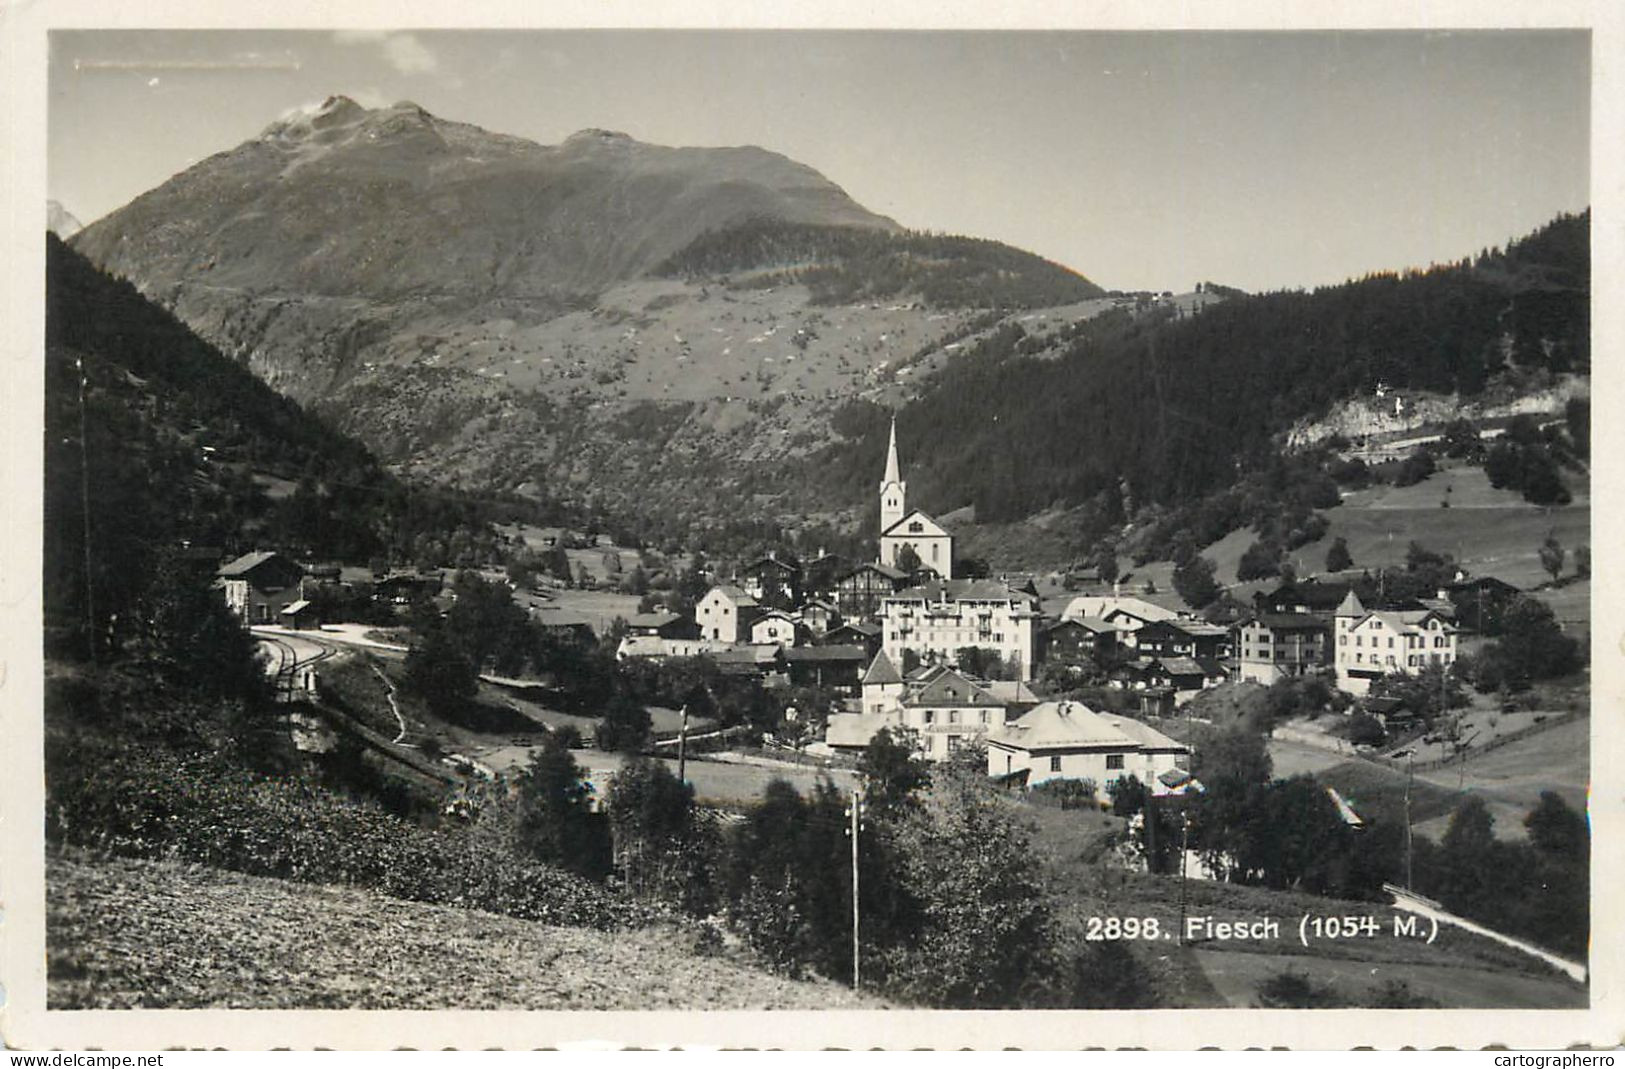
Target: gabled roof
[(854, 729), (930, 528), (732, 593), (1351, 605), (1073, 725), (1088, 623), (1102, 606), (819, 603), (1191, 628), (950, 688), (295, 607), (748, 655), (772, 562), (894, 574), (960, 590), (826, 655), (1010, 691), (1292, 621), (1181, 666), (652, 619), (881, 672), (776, 614), (248, 562), (862, 627), (552, 616)]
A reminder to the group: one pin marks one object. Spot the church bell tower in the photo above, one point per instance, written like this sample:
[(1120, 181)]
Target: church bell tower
[(893, 490)]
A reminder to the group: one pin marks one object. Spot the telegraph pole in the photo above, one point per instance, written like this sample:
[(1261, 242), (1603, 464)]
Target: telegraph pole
[(682, 748), (857, 822), (84, 494)]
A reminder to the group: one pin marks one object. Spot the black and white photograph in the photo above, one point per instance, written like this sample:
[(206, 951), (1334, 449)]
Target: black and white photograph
[(682, 518)]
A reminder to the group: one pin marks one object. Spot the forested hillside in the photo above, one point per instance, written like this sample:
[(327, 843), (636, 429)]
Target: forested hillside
[(1162, 408), (842, 265), (171, 444)]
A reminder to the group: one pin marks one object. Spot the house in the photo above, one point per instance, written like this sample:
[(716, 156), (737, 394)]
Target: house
[(773, 581), (834, 668), (774, 627), (765, 662), (1068, 740), (854, 633), (1373, 643), (725, 613), (1480, 601), (564, 623), (660, 624), (1183, 638), (1305, 596), (945, 710), (1078, 641), (260, 585), (655, 648), (819, 615), (403, 588), (1102, 606), (901, 528), (858, 593), (1275, 646), (938, 619), (819, 574)]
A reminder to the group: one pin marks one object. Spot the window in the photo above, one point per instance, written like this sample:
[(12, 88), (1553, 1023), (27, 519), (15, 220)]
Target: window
[(953, 716), (1055, 763), (929, 715), (1114, 760), (1342, 640), (984, 716), (1390, 643), (916, 527)]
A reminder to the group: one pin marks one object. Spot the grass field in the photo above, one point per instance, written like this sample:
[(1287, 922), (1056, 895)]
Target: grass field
[(1237, 976), (125, 934), (1511, 777)]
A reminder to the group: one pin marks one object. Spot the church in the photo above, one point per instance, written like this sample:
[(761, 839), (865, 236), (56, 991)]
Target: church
[(902, 529)]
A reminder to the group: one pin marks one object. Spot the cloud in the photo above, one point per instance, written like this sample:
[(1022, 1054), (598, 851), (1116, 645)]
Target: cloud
[(403, 51)]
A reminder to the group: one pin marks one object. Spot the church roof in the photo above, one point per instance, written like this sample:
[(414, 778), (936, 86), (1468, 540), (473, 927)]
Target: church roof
[(881, 671), (936, 530)]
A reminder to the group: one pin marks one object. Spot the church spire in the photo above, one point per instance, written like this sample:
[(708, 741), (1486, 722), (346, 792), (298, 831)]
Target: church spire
[(893, 470)]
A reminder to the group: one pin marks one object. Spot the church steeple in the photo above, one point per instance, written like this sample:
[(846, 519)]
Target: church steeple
[(893, 490)]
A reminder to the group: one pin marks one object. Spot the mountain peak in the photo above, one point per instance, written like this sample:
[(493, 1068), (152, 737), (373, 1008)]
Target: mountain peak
[(595, 135)]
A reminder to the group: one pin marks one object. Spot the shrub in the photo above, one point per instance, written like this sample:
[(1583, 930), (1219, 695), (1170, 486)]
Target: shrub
[(1292, 990)]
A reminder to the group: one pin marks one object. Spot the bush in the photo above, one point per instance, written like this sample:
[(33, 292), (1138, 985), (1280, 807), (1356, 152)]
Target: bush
[(155, 804), (1260, 561), (1292, 990), (1068, 793)]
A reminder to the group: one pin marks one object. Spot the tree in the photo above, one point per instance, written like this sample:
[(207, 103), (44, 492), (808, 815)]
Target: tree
[(1106, 563), (907, 560), (625, 725), (1194, 582), (555, 818), (892, 770), (1552, 555), (1338, 558), (438, 671), (656, 840), (1461, 439), (1260, 561), (1556, 829)]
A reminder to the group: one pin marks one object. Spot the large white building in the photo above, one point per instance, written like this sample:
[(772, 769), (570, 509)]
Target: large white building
[(1068, 740), (901, 527), (1369, 644), (938, 619), (944, 709), (725, 614)]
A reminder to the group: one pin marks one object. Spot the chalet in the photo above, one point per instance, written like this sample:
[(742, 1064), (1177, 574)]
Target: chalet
[(818, 615), (858, 593), (1275, 646), (902, 529), (260, 585), (403, 588), (1373, 643), (821, 572), (826, 667), (854, 633), (775, 627), (1068, 740), (938, 619), (774, 581), (725, 613), (1183, 638), (564, 623), (765, 662), (1480, 600), (1306, 596), (660, 624), (1079, 641)]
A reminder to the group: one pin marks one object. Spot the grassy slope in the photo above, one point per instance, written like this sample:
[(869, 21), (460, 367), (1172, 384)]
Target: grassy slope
[(1458, 969), (139, 934)]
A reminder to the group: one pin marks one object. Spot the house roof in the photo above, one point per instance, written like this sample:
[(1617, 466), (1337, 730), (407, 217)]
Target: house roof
[(652, 619), (776, 614), (867, 630), (1351, 605), (1192, 628), (1090, 623), (641, 646), (894, 574), (1181, 666), (1101, 606), (552, 616), (250, 561), (950, 688), (960, 590), (747, 655), (1291, 621), (826, 654), (881, 671), (1073, 725), (772, 562), (295, 607), (1010, 691), (732, 593)]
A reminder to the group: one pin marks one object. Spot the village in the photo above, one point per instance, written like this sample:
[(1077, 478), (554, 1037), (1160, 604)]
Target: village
[(902, 644)]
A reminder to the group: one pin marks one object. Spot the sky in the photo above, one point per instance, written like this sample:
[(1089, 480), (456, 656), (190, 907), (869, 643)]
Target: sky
[(1143, 160)]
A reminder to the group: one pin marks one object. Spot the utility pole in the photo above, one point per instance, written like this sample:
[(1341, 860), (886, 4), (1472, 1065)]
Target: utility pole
[(856, 810), (682, 748), (84, 494), (1410, 757)]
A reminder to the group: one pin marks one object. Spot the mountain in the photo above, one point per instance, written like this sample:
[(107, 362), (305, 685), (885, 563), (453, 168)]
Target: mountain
[(627, 326), (60, 221)]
